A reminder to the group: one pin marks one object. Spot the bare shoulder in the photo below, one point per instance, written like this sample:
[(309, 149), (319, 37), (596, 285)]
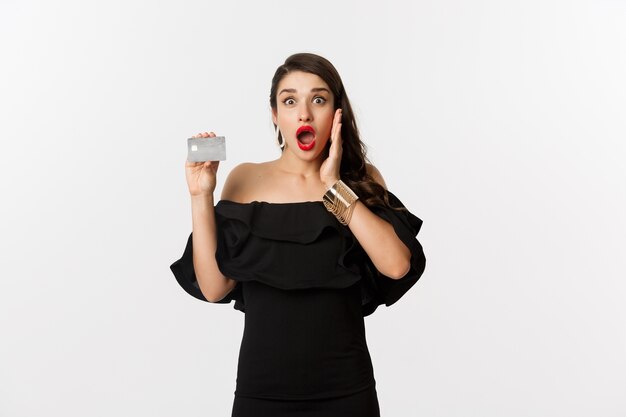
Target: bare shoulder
[(242, 180), (375, 174), (235, 183)]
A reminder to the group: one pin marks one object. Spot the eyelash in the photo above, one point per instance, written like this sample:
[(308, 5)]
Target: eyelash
[(291, 98)]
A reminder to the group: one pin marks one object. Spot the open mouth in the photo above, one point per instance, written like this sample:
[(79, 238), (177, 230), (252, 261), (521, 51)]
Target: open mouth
[(306, 137)]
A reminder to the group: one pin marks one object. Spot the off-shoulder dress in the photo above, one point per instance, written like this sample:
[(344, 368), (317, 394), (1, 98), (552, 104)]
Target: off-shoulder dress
[(305, 284)]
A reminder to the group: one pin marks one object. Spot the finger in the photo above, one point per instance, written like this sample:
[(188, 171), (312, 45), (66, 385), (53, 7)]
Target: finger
[(333, 131), (337, 133), (212, 135), (335, 141), (337, 118), (338, 141), (338, 121), (339, 114)]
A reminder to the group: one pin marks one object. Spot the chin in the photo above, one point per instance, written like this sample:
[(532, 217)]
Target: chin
[(309, 155)]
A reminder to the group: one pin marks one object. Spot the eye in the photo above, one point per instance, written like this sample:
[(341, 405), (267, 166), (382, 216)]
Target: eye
[(320, 100), (289, 101)]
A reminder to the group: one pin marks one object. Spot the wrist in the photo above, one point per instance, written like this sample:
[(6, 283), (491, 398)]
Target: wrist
[(329, 184), (340, 200), (201, 200)]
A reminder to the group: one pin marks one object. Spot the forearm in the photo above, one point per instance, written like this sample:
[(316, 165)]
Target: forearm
[(212, 282), (381, 243)]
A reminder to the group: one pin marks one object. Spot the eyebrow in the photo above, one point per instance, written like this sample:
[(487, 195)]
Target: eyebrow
[(293, 90)]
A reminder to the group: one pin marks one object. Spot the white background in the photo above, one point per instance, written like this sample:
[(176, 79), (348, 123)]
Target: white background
[(500, 124)]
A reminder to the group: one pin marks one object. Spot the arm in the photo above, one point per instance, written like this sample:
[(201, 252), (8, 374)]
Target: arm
[(213, 284), (377, 237)]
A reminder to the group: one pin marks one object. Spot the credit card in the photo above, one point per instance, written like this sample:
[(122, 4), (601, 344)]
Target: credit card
[(206, 149)]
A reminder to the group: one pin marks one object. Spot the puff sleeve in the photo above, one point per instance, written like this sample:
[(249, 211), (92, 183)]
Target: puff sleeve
[(185, 274), (379, 289), (271, 244)]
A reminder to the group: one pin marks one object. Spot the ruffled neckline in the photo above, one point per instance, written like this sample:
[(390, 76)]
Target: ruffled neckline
[(297, 222), (271, 242), (270, 203)]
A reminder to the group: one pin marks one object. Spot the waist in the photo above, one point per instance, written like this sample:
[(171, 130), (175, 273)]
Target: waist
[(307, 343)]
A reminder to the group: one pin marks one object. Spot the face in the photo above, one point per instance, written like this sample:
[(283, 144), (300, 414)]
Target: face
[(304, 99)]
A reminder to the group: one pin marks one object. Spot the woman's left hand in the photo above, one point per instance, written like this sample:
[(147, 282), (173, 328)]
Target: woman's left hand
[(329, 171)]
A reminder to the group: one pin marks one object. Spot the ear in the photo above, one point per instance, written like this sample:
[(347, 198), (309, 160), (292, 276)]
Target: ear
[(274, 116)]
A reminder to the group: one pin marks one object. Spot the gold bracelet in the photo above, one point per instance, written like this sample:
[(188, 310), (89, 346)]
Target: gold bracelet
[(340, 200)]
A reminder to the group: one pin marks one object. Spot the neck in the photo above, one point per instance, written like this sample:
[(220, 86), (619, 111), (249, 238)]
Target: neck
[(290, 163)]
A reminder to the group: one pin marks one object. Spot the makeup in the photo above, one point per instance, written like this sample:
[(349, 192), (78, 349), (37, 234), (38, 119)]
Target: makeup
[(306, 137)]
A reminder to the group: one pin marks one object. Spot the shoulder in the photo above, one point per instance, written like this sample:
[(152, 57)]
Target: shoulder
[(236, 180), (241, 179), (375, 174)]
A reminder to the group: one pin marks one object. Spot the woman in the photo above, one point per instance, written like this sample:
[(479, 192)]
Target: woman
[(307, 245)]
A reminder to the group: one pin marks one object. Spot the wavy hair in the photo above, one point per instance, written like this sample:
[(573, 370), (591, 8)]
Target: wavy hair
[(352, 169)]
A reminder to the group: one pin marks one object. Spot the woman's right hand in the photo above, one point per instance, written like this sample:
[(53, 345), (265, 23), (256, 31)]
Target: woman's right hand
[(201, 176)]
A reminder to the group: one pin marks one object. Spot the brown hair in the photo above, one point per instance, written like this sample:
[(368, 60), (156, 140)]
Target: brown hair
[(354, 156)]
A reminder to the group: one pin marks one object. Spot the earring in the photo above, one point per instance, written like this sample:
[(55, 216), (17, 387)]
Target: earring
[(280, 142)]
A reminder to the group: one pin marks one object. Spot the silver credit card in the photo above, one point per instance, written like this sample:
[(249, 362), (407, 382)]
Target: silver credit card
[(206, 149)]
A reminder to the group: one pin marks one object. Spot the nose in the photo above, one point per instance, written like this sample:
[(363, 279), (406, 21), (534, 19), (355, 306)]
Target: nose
[(305, 114)]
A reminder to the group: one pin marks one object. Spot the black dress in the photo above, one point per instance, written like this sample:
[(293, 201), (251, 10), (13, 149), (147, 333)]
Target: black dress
[(304, 284)]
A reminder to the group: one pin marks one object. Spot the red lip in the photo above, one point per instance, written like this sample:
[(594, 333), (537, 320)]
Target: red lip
[(305, 128)]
